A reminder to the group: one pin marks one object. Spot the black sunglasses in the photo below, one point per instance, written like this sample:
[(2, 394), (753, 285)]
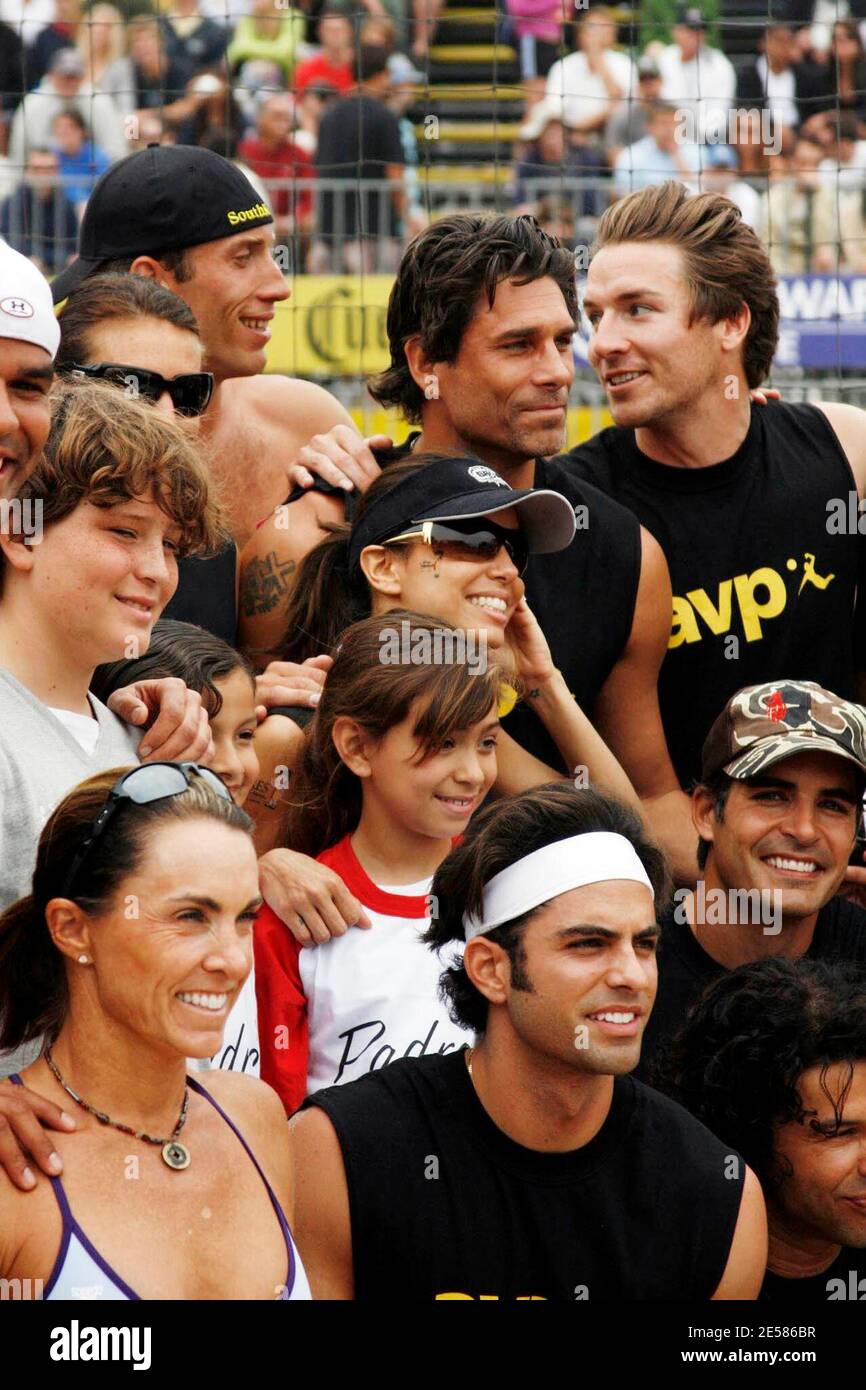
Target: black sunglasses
[(469, 540), (190, 392), (150, 782)]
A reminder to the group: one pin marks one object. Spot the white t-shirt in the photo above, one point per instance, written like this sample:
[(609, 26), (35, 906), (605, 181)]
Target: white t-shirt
[(362, 1000), (84, 728), (706, 85), (781, 89), (582, 93)]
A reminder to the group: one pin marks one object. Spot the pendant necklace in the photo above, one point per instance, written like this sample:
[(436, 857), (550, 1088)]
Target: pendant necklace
[(175, 1155)]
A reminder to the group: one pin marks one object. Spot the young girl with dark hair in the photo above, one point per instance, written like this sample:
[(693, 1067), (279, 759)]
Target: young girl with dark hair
[(397, 758), (444, 536)]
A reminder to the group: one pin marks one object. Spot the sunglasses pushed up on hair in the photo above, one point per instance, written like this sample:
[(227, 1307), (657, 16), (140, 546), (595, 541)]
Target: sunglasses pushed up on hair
[(474, 539), (190, 392), (149, 782)]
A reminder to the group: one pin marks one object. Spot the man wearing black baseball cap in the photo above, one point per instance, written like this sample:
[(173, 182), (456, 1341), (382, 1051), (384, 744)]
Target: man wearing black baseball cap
[(191, 220), (778, 811)]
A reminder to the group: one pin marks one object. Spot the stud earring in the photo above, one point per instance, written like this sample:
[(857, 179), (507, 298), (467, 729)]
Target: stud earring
[(84, 960), (431, 387)]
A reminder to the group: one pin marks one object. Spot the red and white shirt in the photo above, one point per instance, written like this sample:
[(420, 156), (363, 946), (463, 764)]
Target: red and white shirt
[(329, 1015)]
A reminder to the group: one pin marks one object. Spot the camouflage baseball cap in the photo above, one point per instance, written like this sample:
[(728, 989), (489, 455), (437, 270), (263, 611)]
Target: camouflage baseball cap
[(762, 724)]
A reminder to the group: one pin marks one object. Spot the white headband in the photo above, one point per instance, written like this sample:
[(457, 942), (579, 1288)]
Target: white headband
[(554, 869), (26, 310)]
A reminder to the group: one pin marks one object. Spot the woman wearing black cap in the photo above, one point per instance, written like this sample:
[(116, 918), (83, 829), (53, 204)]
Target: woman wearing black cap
[(451, 541)]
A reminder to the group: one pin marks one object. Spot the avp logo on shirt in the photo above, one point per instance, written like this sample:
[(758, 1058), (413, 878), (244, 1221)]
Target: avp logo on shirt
[(760, 596)]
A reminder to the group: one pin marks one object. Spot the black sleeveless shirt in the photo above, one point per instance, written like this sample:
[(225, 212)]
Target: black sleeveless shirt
[(206, 593), (583, 597), (445, 1206), (762, 589)]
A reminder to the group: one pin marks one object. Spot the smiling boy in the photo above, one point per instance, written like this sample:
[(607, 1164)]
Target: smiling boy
[(121, 492)]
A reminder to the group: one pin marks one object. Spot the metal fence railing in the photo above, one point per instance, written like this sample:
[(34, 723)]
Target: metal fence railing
[(352, 225)]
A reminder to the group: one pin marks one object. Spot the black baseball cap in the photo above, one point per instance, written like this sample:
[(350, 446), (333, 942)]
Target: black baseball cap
[(167, 197), (455, 488)]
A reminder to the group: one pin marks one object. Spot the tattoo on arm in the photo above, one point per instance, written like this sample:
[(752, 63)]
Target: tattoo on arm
[(264, 584), (264, 794)]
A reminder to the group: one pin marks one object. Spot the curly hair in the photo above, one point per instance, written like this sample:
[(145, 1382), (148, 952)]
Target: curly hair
[(738, 1059), (441, 277), (105, 448)]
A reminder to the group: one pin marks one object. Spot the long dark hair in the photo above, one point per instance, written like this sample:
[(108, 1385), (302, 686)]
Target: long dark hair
[(195, 656), (34, 997), (326, 599), (737, 1060), (362, 685)]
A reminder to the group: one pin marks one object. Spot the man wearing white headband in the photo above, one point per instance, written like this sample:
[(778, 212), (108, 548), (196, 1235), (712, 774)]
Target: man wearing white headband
[(531, 1166), (29, 335)]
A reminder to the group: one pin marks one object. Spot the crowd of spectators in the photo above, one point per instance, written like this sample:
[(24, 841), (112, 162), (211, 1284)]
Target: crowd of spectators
[(82, 87), (305, 91), (782, 131)]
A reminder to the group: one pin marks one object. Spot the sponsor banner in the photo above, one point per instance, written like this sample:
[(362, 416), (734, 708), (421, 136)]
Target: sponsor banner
[(823, 322), (333, 325)]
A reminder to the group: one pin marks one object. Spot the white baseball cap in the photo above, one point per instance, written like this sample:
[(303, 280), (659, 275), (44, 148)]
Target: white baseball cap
[(26, 308)]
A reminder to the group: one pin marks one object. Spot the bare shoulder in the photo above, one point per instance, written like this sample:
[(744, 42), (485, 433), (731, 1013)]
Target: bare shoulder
[(252, 1103), (301, 407), (290, 532), (849, 424)]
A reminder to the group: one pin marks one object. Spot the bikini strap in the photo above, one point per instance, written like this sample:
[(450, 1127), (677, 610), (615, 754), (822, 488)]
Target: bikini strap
[(281, 1217)]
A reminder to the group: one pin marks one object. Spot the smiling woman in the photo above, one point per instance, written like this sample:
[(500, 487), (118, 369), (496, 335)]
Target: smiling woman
[(126, 957)]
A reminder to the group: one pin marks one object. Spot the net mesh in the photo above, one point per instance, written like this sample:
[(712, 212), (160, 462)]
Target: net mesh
[(526, 105)]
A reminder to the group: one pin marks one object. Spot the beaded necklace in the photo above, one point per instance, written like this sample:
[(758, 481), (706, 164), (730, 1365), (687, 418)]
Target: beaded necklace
[(175, 1155)]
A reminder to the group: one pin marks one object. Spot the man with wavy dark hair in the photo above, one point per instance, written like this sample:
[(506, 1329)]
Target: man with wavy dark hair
[(530, 1166), (481, 322), (773, 1061)]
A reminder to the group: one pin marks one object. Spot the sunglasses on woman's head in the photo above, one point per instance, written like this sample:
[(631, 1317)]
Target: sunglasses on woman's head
[(150, 782), (190, 392), (475, 539)]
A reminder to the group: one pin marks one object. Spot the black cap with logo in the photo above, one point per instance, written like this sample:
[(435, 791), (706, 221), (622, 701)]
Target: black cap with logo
[(456, 488), (164, 198)]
